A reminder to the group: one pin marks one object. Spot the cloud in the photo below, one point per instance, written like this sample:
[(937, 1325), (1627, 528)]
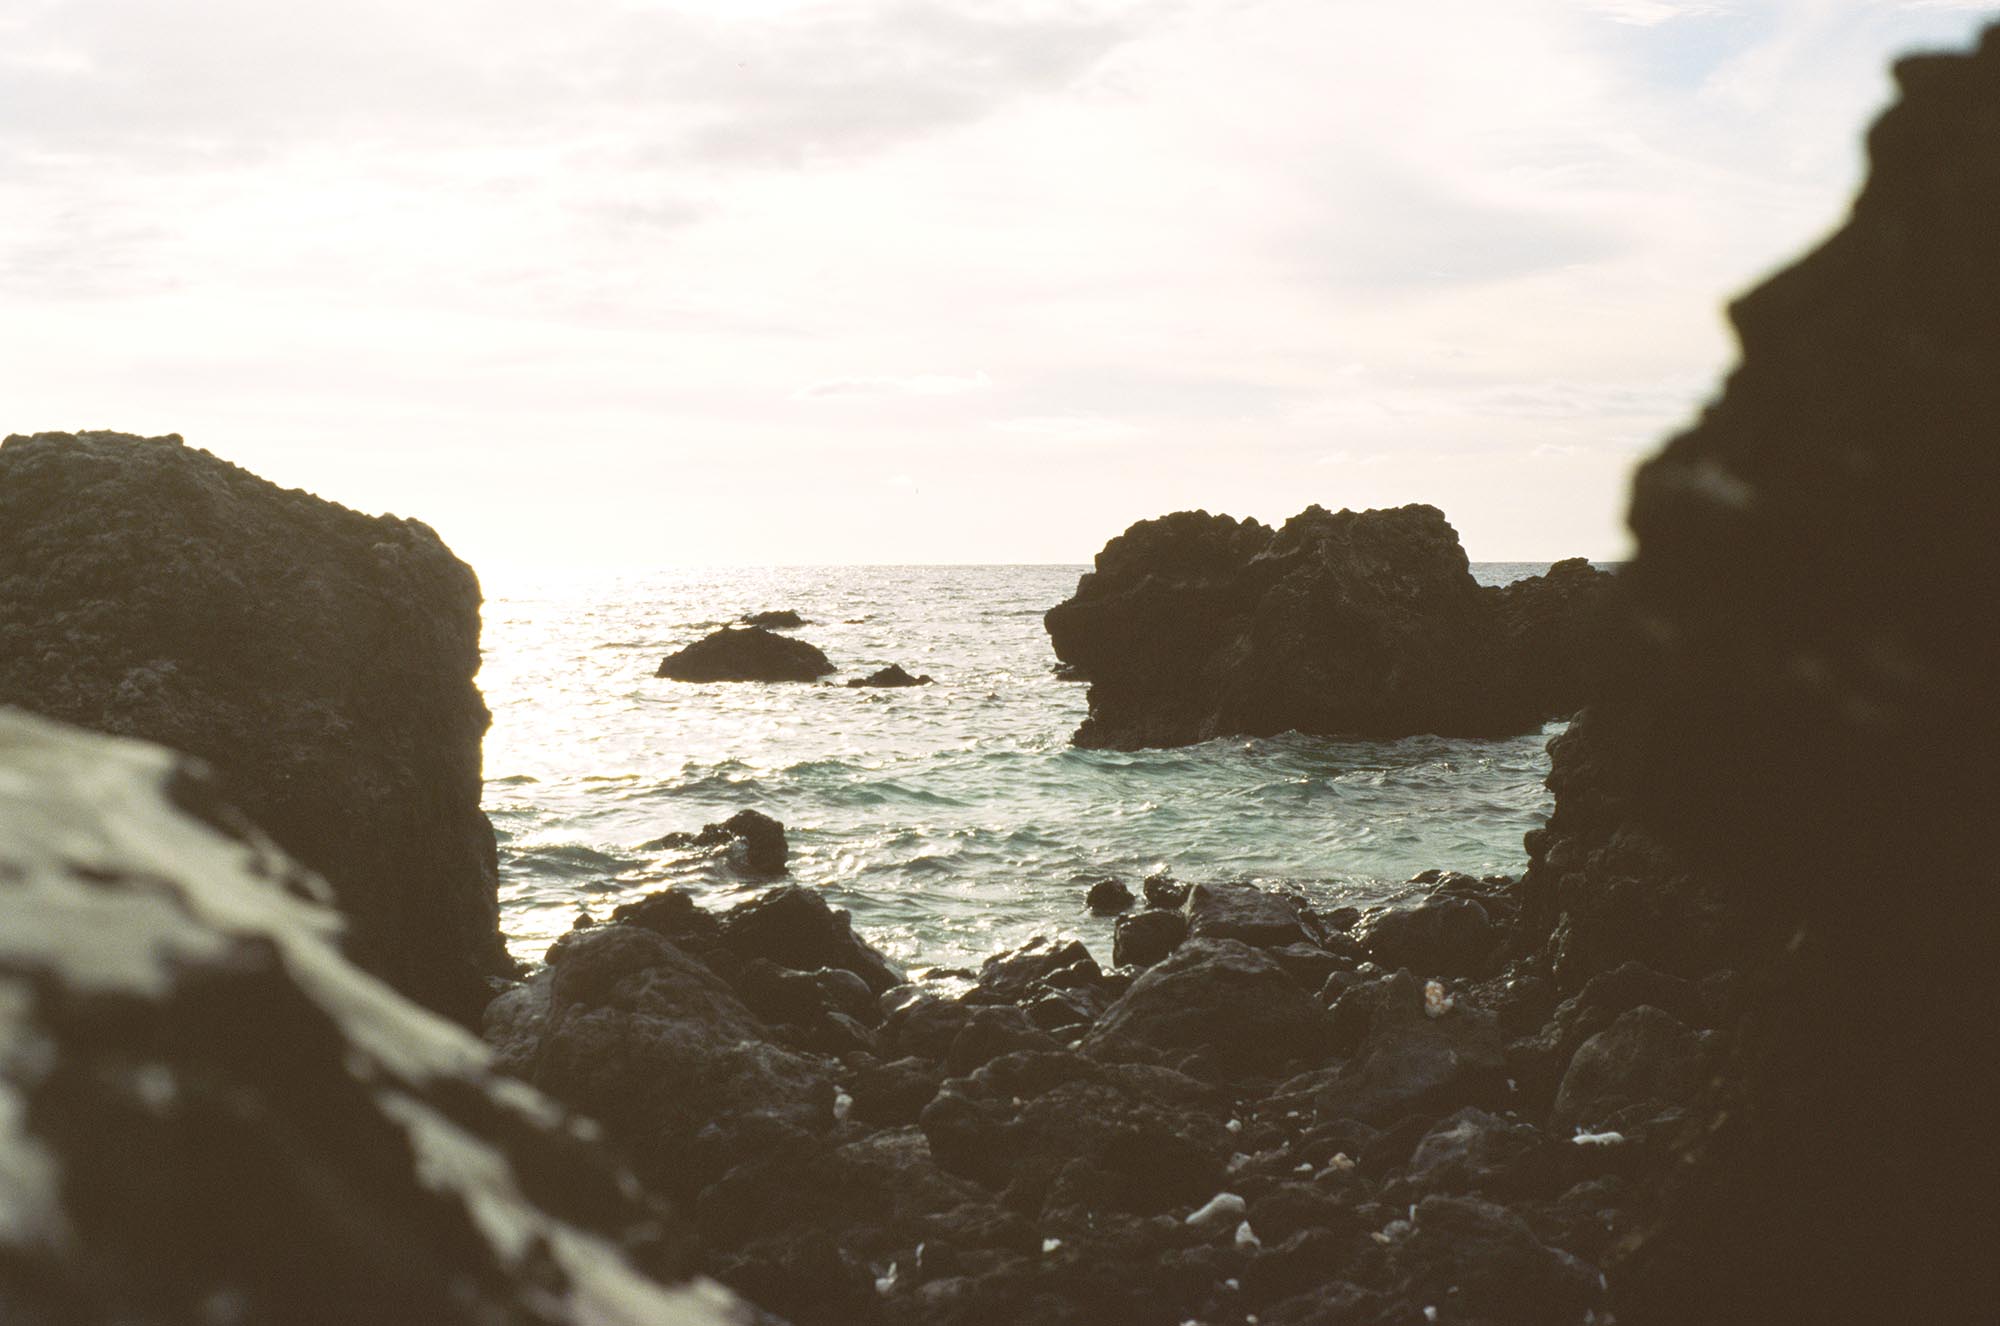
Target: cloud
[(922, 384), (1651, 13), (1067, 428)]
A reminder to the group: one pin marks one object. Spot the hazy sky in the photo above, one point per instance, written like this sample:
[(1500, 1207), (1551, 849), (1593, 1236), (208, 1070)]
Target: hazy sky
[(639, 282)]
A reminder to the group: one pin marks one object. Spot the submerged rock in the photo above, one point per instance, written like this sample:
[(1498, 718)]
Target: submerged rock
[(207, 1112), (321, 659), (1108, 897), (754, 841), (748, 653), (779, 619), (893, 675), (1368, 623)]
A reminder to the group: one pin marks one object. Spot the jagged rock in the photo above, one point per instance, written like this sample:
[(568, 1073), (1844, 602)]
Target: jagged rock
[(1487, 1263), (1539, 1059), (1165, 891), (1248, 914), (1215, 1006), (1195, 626), (754, 842), (206, 1110), (1010, 977), (1108, 897), (321, 659), (1146, 938), (1439, 936), (748, 653), (778, 619), (1410, 1060), (1645, 1056), (794, 927), (893, 675)]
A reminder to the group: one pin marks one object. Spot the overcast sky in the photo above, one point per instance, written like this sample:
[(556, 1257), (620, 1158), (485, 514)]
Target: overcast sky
[(643, 282)]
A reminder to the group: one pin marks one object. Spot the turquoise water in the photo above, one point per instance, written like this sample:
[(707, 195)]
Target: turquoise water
[(951, 820)]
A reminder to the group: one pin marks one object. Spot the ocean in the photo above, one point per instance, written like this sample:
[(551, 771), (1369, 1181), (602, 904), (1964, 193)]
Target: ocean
[(951, 820)]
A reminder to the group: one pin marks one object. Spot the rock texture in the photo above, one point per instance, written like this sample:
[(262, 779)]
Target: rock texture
[(893, 675), (748, 653), (750, 840), (208, 1114), (1367, 623), (1808, 717), (321, 659)]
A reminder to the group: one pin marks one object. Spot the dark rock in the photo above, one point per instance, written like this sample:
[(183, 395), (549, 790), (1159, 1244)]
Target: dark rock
[(794, 927), (1147, 937), (754, 842), (1216, 1002), (1165, 891), (1474, 1152), (989, 1032), (671, 913), (1248, 914), (1439, 936), (211, 1114), (896, 1092), (1108, 897), (893, 675), (320, 659), (1487, 1263), (1309, 964), (1010, 977), (1195, 626), (1411, 1061), (925, 1026), (778, 619), (748, 653), (1540, 1059), (1644, 1057)]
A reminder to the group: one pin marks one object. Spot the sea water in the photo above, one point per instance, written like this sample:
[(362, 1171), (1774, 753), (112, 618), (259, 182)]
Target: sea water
[(951, 820)]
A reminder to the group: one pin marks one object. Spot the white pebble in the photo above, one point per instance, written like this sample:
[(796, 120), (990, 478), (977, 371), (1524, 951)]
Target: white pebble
[(1222, 1204), (887, 1280), (842, 1103), (1341, 1161), (1050, 1245), (1246, 1237), (1436, 1002), (1597, 1139), (1430, 1313), (1234, 1125)]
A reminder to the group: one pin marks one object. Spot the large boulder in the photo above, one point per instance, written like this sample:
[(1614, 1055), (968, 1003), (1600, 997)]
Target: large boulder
[(321, 659), (1807, 719), (207, 1113), (1195, 626), (1214, 1008), (751, 841), (747, 653)]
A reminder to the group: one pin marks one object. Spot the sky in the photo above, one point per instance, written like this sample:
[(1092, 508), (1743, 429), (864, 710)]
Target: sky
[(626, 284)]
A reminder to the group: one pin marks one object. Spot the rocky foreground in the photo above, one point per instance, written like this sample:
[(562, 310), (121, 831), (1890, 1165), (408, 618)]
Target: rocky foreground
[(1339, 623)]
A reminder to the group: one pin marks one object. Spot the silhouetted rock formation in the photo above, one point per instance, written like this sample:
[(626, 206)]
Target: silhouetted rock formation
[(754, 842), (893, 675), (748, 653), (206, 1113), (321, 659), (1808, 720), (1366, 623), (781, 619)]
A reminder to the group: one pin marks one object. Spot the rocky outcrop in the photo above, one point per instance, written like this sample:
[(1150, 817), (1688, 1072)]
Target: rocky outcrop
[(207, 1113), (779, 619), (748, 653), (1365, 623), (1807, 720), (750, 840), (891, 676), (321, 659)]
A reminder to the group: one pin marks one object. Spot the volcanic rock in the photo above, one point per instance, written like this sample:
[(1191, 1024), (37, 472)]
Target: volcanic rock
[(322, 660), (1147, 937), (795, 928), (893, 675), (748, 653), (779, 619), (1249, 914), (1368, 623), (1108, 897), (754, 841), (1215, 1006), (209, 1111)]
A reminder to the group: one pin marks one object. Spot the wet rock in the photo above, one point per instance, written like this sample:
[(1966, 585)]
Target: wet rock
[(320, 659), (1646, 1056), (673, 914), (989, 1032), (748, 653), (1147, 937), (1195, 626), (205, 1108), (891, 676), (1108, 897), (896, 1092), (1010, 977), (1214, 1003), (754, 842), (1439, 936), (1409, 1061), (778, 619), (925, 1025), (794, 927), (1247, 914), (1165, 891)]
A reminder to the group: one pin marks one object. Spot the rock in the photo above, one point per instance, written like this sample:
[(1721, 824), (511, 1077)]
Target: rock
[(1146, 938), (1108, 897), (1540, 1059), (755, 842), (778, 619), (1439, 936), (1247, 914), (1013, 976), (1367, 623), (1217, 1005), (896, 1092), (1645, 1057), (794, 927), (207, 1111), (320, 659), (1165, 891), (989, 1032), (1474, 1152), (1487, 1263), (893, 675), (748, 653), (1410, 1062)]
